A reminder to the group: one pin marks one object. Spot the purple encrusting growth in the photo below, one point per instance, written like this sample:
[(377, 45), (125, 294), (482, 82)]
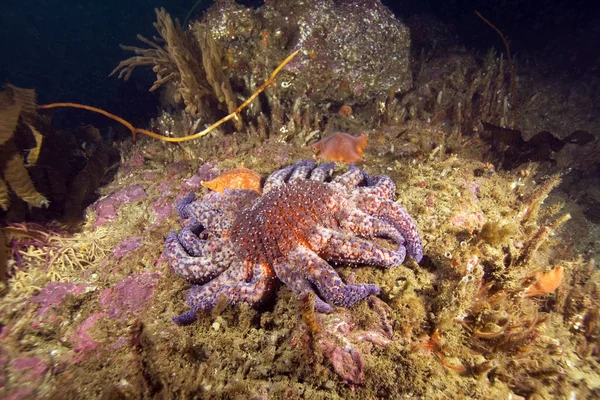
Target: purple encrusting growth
[(238, 244)]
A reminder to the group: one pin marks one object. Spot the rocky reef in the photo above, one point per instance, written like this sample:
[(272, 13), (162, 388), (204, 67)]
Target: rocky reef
[(503, 304)]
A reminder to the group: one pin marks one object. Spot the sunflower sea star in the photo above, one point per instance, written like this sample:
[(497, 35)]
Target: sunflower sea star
[(236, 244)]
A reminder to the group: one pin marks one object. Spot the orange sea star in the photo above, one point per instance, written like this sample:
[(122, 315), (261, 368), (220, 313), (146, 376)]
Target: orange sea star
[(341, 147), (238, 178)]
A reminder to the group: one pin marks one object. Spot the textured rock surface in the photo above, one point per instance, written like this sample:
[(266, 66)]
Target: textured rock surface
[(350, 51)]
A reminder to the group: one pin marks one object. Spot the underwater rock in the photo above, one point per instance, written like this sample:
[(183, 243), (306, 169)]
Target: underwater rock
[(107, 208), (53, 294), (345, 57), (163, 208), (207, 171), (129, 296), (81, 339), (34, 367), (127, 246)]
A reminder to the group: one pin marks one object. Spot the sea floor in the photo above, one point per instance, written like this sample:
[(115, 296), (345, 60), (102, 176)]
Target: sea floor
[(88, 314)]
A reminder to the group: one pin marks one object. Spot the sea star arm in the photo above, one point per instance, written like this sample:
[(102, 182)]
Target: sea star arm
[(215, 219), (230, 286), (301, 170), (362, 224), (299, 284), (321, 172), (379, 186), (343, 248), (326, 280), (277, 178), (214, 258), (397, 216), (351, 178)]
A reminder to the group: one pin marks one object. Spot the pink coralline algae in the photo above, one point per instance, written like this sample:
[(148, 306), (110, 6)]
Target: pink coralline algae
[(468, 221), (35, 367), (108, 207), (129, 296), (163, 208), (177, 168), (206, 172), (127, 246), (81, 339), (135, 161), (53, 294)]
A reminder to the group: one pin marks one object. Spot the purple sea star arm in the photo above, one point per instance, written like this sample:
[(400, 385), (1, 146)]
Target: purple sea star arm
[(338, 247), (321, 172), (301, 170), (398, 216), (378, 186), (277, 179), (326, 280), (299, 285), (215, 259), (188, 238), (216, 219), (362, 224), (240, 198), (350, 179), (181, 207), (395, 214), (231, 286)]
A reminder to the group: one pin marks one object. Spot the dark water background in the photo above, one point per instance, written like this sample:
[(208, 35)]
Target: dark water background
[(66, 49)]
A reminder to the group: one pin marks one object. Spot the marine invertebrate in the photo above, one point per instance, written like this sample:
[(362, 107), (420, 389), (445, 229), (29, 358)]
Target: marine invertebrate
[(56, 253), (341, 147), (236, 244), (238, 178), (545, 283), (343, 342)]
